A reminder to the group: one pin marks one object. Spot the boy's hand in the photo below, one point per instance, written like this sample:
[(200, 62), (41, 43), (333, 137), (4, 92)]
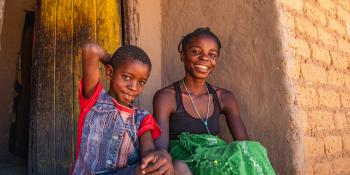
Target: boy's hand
[(91, 49), (157, 163)]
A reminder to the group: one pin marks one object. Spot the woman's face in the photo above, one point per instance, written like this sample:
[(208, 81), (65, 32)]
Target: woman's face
[(200, 56)]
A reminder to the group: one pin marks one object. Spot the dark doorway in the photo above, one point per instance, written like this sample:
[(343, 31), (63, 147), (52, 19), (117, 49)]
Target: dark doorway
[(16, 162), (19, 133)]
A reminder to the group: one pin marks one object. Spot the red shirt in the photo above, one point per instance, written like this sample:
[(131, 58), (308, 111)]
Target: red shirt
[(147, 124)]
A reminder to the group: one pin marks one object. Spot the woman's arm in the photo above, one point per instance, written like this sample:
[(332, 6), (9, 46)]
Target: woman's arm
[(230, 109), (164, 103), (92, 54), (160, 160)]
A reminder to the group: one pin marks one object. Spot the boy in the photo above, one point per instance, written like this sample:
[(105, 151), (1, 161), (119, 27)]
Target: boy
[(113, 135)]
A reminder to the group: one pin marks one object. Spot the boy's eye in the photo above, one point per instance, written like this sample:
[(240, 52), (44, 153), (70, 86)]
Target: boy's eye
[(142, 83)]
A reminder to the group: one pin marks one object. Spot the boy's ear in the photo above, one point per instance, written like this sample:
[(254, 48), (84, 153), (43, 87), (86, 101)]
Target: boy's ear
[(109, 72)]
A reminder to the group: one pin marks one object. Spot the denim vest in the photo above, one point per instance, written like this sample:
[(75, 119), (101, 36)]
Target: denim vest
[(102, 135)]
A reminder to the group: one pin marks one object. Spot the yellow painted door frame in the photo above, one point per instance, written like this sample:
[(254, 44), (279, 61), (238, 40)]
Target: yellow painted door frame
[(61, 28)]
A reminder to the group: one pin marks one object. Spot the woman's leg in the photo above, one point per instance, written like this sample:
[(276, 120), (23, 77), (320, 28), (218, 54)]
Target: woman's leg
[(181, 168)]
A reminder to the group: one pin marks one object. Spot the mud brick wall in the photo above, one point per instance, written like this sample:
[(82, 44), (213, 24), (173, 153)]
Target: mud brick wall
[(319, 42)]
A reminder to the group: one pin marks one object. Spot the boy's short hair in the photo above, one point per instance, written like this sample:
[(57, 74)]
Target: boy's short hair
[(129, 53)]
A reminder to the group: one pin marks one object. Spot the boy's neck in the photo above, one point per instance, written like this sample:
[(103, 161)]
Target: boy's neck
[(117, 100)]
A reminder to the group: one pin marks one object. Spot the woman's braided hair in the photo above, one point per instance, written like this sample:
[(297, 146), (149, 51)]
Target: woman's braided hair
[(200, 31)]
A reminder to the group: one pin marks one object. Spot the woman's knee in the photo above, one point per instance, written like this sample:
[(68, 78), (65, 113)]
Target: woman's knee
[(181, 168)]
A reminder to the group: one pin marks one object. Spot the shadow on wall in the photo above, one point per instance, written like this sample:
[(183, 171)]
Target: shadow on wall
[(251, 65)]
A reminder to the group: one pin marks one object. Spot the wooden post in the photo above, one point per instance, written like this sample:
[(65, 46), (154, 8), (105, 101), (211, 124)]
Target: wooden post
[(2, 10), (62, 27)]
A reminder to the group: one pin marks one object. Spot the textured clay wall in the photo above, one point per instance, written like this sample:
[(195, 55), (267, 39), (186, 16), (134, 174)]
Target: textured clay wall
[(320, 46), (12, 27), (147, 17), (251, 65)]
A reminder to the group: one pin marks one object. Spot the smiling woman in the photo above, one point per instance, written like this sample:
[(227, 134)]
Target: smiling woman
[(188, 113), (190, 100)]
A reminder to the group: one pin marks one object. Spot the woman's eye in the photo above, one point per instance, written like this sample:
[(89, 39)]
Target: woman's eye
[(196, 52), (213, 55), (125, 77)]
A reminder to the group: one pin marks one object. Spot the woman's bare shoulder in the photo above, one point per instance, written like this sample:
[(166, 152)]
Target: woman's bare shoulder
[(223, 93), (167, 91), (165, 99), (226, 97)]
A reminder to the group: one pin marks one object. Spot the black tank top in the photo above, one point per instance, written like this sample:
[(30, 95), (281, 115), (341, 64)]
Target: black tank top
[(181, 121)]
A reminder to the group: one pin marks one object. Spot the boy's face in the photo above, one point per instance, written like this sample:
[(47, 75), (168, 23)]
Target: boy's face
[(128, 80)]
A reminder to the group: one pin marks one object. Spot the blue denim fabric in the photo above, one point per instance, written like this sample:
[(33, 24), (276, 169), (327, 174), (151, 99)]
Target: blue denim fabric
[(101, 139)]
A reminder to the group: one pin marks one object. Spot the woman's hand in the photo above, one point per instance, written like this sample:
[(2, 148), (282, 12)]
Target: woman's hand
[(157, 163)]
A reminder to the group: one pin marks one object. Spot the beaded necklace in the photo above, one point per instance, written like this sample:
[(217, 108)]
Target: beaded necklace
[(205, 121)]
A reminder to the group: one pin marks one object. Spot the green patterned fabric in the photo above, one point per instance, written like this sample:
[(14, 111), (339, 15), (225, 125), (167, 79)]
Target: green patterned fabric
[(210, 155)]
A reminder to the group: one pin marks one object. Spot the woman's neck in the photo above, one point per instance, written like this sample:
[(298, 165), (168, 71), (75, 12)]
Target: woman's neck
[(195, 86)]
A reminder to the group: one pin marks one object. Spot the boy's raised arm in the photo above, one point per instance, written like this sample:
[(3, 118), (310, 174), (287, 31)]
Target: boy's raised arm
[(92, 55)]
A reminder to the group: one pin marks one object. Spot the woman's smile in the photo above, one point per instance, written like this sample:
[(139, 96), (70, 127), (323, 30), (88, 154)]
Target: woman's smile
[(201, 68)]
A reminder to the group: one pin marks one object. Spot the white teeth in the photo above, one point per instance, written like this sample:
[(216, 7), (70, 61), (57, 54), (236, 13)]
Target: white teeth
[(128, 96), (201, 67)]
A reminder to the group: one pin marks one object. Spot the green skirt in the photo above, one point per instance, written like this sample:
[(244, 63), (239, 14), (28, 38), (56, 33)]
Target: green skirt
[(210, 155)]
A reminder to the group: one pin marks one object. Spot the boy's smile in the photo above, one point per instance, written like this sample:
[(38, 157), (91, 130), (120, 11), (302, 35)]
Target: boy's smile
[(128, 81)]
